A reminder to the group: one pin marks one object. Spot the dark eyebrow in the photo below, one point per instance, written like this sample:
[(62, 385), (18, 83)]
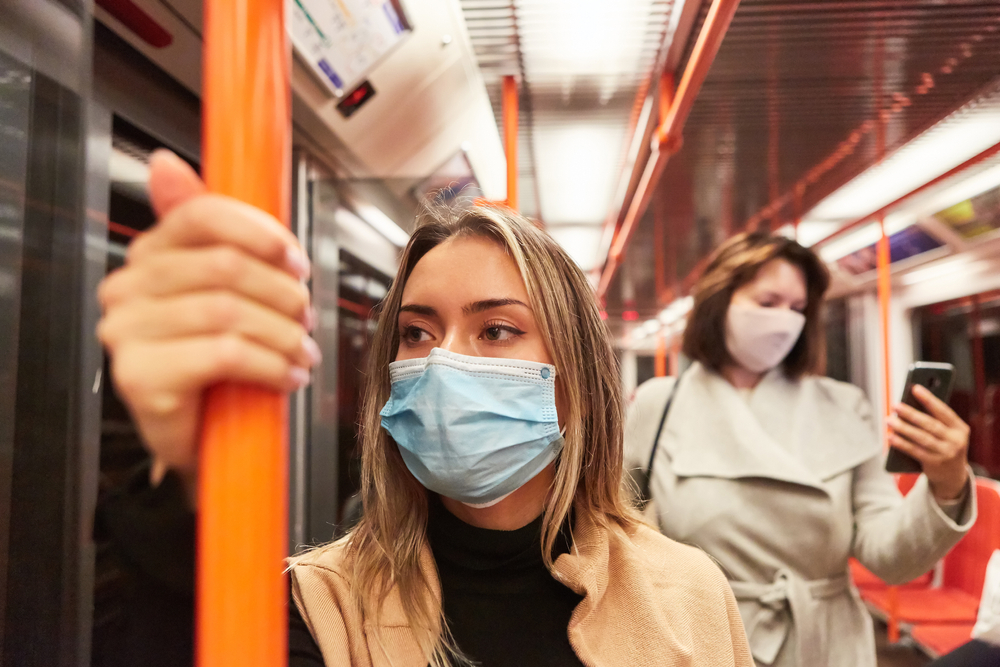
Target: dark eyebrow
[(418, 309), (490, 304), (469, 309)]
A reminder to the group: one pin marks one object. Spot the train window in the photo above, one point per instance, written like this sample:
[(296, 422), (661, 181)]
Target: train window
[(361, 288), (966, 332), (838, 344), (49, 260), (645, 368)]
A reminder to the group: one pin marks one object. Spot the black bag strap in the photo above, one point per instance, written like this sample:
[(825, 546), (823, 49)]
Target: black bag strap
[(663, 420)]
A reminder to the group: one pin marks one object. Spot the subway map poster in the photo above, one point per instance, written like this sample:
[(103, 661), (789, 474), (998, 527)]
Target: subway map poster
[(342, 40)]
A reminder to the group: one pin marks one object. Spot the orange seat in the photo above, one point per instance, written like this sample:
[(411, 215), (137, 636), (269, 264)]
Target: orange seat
[(957, 599), (906, 480), (939, 639), (864, 578), (928, 605)]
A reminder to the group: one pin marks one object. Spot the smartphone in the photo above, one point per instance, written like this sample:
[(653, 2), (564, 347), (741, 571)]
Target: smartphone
[(938, 379)]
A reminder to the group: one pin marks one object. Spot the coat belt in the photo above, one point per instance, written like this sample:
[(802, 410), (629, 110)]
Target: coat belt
[(785, 600)]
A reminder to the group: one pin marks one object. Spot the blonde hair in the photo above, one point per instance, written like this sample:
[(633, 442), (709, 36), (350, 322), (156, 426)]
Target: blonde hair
[(385, 547)]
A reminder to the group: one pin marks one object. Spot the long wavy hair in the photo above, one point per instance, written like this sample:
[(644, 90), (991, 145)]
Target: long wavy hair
[(384, 549)]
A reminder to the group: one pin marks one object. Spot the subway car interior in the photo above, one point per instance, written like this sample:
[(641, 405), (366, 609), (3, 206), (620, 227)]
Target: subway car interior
[(639, 134)]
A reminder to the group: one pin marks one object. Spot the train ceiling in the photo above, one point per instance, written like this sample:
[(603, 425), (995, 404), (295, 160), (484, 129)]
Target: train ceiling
[(789, 113), (430, 103), (580, 65)]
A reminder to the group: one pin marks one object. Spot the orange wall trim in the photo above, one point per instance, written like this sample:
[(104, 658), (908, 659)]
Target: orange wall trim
[(242, 495)]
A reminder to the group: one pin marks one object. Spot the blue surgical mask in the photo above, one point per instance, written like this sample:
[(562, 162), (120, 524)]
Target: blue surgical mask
[(473, 429)]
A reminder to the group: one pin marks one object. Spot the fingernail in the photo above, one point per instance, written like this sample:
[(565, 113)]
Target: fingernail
[(297, 262), (299, 377), (310, 319), (166, 156), (312, 350)]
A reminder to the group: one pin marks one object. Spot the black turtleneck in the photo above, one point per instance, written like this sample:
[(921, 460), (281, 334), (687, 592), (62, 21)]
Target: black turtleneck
[(503, 606)]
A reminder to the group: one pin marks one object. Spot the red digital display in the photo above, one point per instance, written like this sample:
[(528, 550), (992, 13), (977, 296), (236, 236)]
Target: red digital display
[(353, 100)]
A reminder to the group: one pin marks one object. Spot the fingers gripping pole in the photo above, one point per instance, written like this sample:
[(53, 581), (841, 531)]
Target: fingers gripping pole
[(243, 472)]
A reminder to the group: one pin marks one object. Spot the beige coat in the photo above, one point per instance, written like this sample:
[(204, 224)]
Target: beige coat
[(781, 486), (647, 601)]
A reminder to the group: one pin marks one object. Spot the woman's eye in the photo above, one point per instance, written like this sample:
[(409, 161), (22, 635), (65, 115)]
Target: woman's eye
[(499, 333), (414, 335)]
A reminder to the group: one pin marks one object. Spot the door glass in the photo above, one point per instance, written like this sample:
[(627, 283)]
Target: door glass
[(966, 333)]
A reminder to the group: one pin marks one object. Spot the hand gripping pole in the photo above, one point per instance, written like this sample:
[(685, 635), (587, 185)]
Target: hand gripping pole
[(242, 494)]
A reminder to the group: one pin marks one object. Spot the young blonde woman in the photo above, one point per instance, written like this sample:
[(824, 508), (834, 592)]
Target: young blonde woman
[(777, 472), (494, 527)]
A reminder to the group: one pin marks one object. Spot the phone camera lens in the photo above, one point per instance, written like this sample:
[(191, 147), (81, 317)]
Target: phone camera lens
[(933, 383)]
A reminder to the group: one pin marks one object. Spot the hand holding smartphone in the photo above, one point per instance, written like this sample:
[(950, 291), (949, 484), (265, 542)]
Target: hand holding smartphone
[(938, 379)]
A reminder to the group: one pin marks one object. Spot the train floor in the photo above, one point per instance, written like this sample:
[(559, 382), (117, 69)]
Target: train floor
[(896, 655)]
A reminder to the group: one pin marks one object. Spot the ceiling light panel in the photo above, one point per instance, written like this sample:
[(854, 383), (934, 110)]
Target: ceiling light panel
[(580, 64), (608, 43), (945, 146), (577, 165), (579, 241)]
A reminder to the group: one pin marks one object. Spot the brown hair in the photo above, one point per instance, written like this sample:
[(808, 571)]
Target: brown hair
[(385, 547), (735, 264)]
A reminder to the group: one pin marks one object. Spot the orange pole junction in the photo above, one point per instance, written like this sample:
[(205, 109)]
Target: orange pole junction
[(668, 136), (242, 494), (510, 122)]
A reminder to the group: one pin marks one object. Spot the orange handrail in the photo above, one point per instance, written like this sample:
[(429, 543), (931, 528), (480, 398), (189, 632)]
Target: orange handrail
[(242, 494), (668, 136), (871, 217), (510, 123)]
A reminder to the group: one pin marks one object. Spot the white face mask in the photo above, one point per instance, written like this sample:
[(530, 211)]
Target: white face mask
[(760, 338)]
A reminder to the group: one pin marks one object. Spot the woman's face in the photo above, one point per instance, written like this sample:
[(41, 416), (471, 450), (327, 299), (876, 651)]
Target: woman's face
[(778, 284), (466, 296)]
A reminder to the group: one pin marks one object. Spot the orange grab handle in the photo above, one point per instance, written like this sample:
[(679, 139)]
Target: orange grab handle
[(242, 494)]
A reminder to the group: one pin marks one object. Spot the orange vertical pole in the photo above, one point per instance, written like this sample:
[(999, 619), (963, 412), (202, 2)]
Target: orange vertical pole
[(242, 494), (883, 261), (510, 122), (660, 365)]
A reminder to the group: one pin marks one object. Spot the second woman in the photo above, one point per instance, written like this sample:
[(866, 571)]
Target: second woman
[(777, 472)]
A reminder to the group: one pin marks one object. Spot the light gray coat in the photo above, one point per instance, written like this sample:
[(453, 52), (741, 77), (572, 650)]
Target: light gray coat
[(781, 486)]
